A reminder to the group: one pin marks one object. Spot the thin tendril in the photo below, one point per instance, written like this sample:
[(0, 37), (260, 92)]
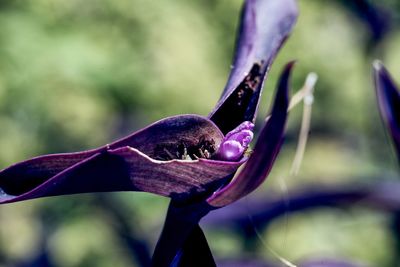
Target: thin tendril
[(285, 198), (269, 248), (305, 123), (305, 94)]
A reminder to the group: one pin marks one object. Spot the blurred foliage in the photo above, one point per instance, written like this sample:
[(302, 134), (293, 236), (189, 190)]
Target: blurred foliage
[(78, 74)]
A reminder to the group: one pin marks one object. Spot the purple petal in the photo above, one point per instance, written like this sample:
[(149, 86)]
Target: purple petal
[(127, 164), (265, 150), (243, 134), (388, 101), (265, 25), (177, 179)]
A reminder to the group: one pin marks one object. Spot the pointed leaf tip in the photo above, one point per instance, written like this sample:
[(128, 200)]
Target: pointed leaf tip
[(377, 64)]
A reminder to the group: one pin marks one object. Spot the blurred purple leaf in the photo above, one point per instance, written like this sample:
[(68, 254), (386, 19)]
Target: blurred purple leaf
[(378, 18), (388, 96), (382, 195)]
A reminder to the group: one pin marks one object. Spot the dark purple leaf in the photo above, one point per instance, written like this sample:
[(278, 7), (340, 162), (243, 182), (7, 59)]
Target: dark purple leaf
[(382, 196), (132, 163), (264, 26), (378, 18), (389, 102)]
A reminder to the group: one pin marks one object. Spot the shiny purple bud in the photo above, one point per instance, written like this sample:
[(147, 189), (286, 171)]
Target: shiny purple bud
[(230, 150), (236, 142)]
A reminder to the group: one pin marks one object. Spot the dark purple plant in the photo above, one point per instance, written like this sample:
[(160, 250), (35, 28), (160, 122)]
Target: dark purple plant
[(189, 158), (388, 96)]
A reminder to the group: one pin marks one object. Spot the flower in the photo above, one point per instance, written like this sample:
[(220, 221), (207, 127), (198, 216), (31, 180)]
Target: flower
[(189, 158), (236, 142), (388, 96), (177, 156), (264, 27)]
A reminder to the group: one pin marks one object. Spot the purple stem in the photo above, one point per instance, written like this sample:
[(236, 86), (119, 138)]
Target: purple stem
[(195, 251), (179, 224)]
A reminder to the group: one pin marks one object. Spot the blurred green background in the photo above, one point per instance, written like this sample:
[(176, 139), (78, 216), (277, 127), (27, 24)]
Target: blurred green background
[(78, 74)]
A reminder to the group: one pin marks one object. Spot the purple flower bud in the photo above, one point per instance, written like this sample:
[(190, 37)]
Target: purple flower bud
[(230, 150), (236, 142)]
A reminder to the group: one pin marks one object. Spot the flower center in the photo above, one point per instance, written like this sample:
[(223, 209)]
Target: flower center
[(236, 142), (241, 104), (186, 150)]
